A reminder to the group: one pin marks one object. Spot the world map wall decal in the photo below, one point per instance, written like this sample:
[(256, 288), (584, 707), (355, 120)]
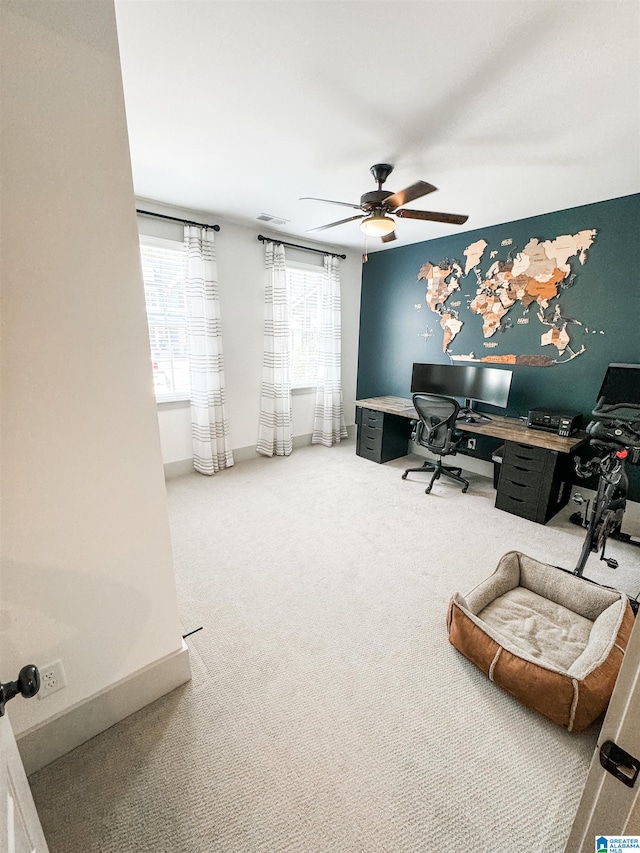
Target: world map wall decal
[(533, 277)]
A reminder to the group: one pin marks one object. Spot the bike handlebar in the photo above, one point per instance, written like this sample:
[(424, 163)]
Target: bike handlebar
[(610, 464), (615, 430), (624, 411), (616, 425)]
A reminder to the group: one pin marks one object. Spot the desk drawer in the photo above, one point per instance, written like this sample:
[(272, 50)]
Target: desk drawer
[(525, 456), (527, 492), (521, 506), (369, 451), (521, 475), (371, 435), (520, 495), (370, 417)]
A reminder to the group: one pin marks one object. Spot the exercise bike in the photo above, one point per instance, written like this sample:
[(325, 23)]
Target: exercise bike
[(615, 433)]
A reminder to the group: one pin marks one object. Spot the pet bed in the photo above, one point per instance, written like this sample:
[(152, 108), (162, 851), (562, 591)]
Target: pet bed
[(553, 640)]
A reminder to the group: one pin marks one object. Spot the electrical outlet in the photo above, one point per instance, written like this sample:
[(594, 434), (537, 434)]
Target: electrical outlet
[(471, 444), (52, 679)]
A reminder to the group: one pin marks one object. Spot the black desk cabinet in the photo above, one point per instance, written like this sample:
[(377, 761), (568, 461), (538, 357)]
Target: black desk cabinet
[(537, 468), (535, 483), (381, 436)]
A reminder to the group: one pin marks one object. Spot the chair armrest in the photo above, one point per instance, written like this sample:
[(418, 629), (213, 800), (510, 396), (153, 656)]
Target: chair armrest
[(459, 440)]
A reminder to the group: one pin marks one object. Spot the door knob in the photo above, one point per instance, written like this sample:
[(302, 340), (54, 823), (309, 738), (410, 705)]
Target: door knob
[(27, 685)]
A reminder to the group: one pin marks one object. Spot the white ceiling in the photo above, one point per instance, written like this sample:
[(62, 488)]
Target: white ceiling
[(511, 108)]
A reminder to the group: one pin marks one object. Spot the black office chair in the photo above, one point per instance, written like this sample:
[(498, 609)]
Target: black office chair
[(436, 431)]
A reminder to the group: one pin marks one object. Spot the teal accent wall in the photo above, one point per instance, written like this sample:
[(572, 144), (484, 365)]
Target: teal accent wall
[(605, 297)]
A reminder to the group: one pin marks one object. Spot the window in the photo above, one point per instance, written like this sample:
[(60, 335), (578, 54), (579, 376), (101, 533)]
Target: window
[(305, 288), (164, 290)]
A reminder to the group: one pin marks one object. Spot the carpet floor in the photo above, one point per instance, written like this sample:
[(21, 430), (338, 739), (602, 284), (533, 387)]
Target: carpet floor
[(327, 710)]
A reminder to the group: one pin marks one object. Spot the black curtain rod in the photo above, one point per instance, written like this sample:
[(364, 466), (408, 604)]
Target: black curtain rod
[(296, 246), (176, 219)]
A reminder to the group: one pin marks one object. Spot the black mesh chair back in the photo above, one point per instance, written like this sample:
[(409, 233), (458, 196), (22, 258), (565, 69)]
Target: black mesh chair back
[(436, 431), (437, 421)]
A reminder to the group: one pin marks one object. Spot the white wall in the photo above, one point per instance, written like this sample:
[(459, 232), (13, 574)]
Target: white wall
[(240, 258), (87, 572)]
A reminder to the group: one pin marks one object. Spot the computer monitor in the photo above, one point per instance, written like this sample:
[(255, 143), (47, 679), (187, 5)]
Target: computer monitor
[(621, 384), (489, 385)]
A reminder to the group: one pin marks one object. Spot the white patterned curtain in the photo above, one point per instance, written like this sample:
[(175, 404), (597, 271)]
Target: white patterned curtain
[(329, 424), (209, 429), (274, 433)]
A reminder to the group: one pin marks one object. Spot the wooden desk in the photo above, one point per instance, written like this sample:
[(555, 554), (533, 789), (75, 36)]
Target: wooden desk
[(536, 472)]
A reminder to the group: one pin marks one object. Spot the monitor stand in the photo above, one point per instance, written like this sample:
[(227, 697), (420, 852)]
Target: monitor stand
[(470, 416)]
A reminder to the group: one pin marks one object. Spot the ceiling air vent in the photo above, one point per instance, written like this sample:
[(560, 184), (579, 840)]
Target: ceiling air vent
[(274, 220)]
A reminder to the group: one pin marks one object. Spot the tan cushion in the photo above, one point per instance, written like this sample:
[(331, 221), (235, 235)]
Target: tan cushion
[(546, 630)]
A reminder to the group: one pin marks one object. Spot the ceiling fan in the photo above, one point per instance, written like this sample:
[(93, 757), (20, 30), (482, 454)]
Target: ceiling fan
[(378, 204)]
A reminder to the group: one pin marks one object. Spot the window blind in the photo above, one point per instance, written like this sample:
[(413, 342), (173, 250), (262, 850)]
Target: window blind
[(304, 324), (164, 288)]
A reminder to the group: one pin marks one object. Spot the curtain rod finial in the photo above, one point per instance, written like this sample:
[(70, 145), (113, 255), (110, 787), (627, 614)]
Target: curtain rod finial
[(264, 239)]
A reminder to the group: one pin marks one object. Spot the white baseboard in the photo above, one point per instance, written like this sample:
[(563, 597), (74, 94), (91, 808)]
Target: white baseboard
[(240, 454), (243, 454), (47, 741), (178, 469)]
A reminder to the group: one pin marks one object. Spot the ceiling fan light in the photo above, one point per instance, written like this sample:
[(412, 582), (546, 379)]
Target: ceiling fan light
[(377, 226)]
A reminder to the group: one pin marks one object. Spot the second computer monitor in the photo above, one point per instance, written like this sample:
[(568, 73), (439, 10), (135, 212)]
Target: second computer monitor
[(621, 384)]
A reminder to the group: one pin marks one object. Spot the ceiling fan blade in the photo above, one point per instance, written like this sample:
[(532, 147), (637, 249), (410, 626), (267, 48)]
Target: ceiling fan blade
[(339, 222), (329, 201), (451, 218), (389, 237), (411, 193)]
